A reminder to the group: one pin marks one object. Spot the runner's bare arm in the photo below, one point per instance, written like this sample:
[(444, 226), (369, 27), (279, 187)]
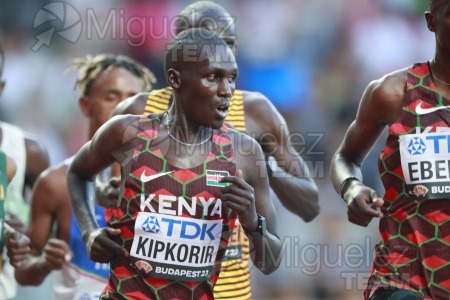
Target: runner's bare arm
[(291, 182), (248, 196), (380, 105), (48, 204), (107, 192), (108, 145), (37, 160)]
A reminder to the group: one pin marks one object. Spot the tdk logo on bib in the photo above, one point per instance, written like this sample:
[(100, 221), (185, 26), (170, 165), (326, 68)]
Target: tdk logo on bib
[(416, 146), (425, 159), (174, 227), (151, 225), (189, 229)]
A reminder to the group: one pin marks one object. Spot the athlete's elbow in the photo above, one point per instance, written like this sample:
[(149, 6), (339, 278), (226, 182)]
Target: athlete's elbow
[(268, 268), (309, 208), (312, 212)]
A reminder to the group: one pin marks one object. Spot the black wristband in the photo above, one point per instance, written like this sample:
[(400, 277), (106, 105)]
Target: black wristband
[(344, 183)]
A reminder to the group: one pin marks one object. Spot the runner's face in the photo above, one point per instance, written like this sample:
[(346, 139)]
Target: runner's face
[(208, 87), (109, 89)]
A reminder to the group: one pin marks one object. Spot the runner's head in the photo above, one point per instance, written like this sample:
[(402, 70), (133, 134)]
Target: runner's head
[(438, 8), (437, 14), (438, 21), (201, 69), (209, 15), (105, 80)]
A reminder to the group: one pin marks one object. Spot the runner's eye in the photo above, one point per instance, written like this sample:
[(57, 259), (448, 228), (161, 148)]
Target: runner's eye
[(112, 97), (213, 78)]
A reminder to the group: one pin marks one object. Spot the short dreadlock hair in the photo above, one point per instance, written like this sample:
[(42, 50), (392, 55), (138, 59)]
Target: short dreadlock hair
[(90, 68)]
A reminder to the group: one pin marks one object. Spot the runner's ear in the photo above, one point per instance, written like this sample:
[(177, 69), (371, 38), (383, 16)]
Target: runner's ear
[(173, 78)]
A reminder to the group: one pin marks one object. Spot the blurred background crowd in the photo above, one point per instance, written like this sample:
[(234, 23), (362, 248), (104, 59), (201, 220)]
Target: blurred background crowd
[(313, 59)]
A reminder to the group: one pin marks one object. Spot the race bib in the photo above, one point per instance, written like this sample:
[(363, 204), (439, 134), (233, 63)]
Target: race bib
[(425, 159), (174, 247)]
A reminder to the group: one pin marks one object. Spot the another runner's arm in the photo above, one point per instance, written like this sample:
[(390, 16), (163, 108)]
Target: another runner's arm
[(291, 182), (380, 105), (108, 145), (37, 161), (134, 105), (48, 198), (267, 248)]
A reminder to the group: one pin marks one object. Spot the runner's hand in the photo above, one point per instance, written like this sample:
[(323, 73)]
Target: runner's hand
[(240, 197), (56, 253), (101, 247), (362, 203), (14, 222), (18, 246)]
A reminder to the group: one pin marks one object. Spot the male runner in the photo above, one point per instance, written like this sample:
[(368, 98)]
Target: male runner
[(177, 209), (254, 114), (104, 81), (412, 260)]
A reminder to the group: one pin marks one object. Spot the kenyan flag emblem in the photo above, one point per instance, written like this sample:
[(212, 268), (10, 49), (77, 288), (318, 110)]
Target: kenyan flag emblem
[(213, 178)]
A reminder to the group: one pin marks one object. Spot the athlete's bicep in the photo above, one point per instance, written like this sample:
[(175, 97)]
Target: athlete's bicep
[(272, 133), (279, 143), (380, 106)]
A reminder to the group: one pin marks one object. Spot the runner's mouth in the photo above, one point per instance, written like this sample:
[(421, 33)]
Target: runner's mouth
[(223, 108)]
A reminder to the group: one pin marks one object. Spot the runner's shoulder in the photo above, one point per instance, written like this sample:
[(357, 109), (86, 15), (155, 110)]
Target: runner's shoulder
[(389, 86), (383, 98), (134, 105), (261, 110)]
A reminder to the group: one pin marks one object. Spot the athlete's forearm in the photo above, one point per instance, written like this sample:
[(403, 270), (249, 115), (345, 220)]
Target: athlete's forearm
[(298, 195), (81, 193), (341, 169), (265, 252)]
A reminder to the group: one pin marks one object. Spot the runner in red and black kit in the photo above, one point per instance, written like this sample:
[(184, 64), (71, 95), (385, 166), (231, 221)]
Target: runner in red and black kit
[(413, 259), (185, 183), (172, 219)]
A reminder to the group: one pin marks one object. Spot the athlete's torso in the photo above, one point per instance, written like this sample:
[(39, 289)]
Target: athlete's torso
[(234, 278), (172, 221), (415, 170)]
